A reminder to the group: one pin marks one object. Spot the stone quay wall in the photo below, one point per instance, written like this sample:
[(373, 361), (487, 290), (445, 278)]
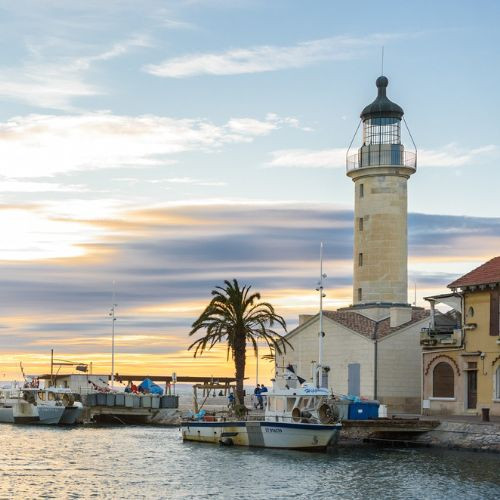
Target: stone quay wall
[(477, 436)]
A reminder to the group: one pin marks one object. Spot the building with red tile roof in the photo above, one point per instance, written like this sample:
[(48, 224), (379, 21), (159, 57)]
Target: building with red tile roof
[(486, 274)]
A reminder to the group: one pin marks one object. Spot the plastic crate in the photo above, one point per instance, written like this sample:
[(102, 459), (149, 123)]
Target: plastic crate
[(364, 410)]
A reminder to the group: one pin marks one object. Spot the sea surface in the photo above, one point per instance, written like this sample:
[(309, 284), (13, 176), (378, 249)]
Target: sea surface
[(152, 462)]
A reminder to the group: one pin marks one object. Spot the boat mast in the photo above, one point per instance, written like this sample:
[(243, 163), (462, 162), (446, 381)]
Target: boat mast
[(322, 276)]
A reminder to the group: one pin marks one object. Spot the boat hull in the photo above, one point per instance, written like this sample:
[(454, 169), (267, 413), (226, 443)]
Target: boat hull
[(25, 413), (71, 415), (263, 434), (50, 415)]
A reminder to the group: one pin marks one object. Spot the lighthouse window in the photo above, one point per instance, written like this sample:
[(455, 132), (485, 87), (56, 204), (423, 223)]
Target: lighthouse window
[(381, 131), (360, 259), (361, 190), (360, 223), (360, 294)]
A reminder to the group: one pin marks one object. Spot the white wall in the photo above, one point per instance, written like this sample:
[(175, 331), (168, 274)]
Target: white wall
[(399, 366), (340, 347)]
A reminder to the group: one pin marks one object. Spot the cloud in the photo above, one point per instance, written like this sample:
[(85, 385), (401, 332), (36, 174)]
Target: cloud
[(452, 155), (308, 158), (55, 82), (15, 186), (187, 180), (43, 145), (166, 259), (175, 24), (267, 57), (449, 155)]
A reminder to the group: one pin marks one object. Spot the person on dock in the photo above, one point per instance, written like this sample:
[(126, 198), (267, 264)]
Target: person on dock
[(256, 393), (263, 393)]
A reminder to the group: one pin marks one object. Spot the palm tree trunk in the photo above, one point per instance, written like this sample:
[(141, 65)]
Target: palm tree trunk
[(239, 364)]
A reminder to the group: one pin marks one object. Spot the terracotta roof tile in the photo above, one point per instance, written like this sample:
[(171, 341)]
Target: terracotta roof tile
[(485, 274), (367, 327)]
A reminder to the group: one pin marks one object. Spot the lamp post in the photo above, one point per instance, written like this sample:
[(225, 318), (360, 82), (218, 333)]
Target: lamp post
[(322, 276), (113, 319)]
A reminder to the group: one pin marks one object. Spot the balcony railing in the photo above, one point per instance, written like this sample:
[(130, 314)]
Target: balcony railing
[(385, 158), (440, 338)]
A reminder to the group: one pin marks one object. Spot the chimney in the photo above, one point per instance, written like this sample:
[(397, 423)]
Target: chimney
[(304, 317), (400, 315)]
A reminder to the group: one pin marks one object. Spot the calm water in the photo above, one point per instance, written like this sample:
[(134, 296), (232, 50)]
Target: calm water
[(148, 462)]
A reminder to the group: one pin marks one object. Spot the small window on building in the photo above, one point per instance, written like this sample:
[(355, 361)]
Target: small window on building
[(360, 294), (361, 190), (360, 259), (470, 312), (360, 223), (443, 381), (497, 385)]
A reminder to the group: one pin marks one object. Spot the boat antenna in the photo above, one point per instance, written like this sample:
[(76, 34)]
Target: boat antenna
[(113, 319), (321, 333)]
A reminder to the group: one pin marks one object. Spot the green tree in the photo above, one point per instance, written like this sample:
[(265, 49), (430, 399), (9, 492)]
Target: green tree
[(236, 317)]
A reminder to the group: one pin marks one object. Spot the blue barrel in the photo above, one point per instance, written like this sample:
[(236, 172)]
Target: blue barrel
[(129, 400), (110, 400), (169, 402), (120, 400), (136, 402), (155, 402), (146, 401), (101, 399), (91, 399)]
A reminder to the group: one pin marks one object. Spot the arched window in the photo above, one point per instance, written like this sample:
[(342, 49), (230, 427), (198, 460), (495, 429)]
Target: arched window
[(443, 383)]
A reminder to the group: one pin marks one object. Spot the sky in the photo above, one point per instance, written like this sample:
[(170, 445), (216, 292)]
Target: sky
[(166, 146)]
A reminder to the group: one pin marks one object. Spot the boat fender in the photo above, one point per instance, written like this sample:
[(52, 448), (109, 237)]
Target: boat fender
[(29, 397), (225, 441), (300, 416), (328, 414)]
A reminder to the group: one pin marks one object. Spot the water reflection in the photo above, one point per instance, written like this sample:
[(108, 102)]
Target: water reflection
[(148, 462)]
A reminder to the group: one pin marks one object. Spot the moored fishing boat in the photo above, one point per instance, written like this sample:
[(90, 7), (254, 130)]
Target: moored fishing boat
[(30, 406), (73, 409), (298, 419)]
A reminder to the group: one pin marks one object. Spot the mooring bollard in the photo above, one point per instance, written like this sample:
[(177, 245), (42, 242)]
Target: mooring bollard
[(485, 414)]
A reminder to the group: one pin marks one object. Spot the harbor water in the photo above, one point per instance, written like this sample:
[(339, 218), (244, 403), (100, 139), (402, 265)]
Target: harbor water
[(152, 462)]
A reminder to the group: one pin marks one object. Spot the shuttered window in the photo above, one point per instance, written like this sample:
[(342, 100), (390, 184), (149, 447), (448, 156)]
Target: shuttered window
[(494, 312), (497, 391), (443, 383)]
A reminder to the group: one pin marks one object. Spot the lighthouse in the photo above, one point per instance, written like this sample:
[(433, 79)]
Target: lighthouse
[(380, 171)]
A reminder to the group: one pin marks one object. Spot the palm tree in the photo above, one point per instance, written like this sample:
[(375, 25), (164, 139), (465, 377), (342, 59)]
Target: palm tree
[(236, 316)]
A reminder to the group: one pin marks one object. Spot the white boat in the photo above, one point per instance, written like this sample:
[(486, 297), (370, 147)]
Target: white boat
[(298, 419), (73, 409), (30, 406)]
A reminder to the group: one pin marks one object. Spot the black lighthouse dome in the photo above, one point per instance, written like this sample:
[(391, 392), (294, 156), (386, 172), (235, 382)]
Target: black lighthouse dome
[(382, 107)]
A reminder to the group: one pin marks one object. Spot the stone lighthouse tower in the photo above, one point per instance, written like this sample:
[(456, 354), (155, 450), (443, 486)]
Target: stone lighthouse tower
[(380, 171)]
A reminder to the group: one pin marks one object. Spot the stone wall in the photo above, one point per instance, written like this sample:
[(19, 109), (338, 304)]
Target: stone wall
[(480, 436), (382, 275), (472, 436)]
